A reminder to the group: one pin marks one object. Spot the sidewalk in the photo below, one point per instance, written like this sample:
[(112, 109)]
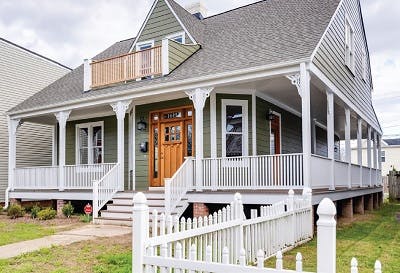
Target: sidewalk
[(89, 232)]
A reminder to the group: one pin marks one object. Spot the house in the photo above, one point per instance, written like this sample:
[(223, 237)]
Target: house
[(390, 154), (22, 74), (255, 99)]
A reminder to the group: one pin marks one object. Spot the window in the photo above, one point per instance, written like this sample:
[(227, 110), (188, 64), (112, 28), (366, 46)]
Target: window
[(349, 45), (89, 143), (144, 45), (177, 37), (383, 156), (364, 65), (234, 128)]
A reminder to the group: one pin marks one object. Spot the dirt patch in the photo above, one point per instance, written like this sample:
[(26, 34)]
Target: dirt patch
[(398, 216), (368, 216)]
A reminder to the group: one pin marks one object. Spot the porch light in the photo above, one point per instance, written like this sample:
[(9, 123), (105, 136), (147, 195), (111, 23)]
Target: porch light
[(270, 115), (141, 125)]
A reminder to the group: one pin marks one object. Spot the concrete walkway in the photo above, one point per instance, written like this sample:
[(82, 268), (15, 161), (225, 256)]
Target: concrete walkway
[(89, 232)]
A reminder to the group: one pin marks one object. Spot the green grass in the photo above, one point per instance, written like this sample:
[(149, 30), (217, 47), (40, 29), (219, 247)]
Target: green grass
[(377, 238), (16, 232), (374, 236)]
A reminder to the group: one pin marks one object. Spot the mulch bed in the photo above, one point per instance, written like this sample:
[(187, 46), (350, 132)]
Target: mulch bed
[(59, 222)]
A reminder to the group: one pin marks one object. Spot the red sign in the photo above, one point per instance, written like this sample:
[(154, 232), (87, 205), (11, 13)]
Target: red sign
[(88, 209)]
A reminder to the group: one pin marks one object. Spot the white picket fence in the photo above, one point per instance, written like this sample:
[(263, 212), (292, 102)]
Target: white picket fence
[(218, 243)]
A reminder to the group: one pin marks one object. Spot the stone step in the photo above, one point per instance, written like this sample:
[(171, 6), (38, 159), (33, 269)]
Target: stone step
[(129, 202)]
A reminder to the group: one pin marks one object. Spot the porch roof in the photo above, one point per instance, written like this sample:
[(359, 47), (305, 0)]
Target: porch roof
[(263, 33)]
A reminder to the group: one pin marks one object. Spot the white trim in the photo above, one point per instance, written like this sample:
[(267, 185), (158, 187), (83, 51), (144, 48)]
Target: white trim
[(254, 123), (90, 126), (144, 43), (245, 124), (349, 46), (318, 73), (236, 76), (165, 56), (101, 114), (174, 35), (278, 103), (279, 115), (54, 145), (213, 124), (132, 147), (327, 29)]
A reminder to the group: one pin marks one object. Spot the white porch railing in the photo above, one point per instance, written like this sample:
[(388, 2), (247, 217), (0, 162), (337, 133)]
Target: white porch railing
[(75, 176), (36, 178), (105, 188), (82, 176), (215, 243), (178, 185), (253, 172)]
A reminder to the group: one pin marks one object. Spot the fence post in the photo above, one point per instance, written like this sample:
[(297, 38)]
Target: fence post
[(307, 195), (290, 208), (238, 214), (326, 234), (95, 200), (140, 231), (378, 267)]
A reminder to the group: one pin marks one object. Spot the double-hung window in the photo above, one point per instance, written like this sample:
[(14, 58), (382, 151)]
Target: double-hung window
[(349, 45), (364, 65), (90, 143), (234, 128)]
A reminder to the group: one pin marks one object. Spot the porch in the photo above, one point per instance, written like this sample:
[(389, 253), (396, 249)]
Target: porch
[(280, 130)]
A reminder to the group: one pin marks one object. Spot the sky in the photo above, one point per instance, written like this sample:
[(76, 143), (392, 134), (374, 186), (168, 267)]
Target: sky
[(69, 31)]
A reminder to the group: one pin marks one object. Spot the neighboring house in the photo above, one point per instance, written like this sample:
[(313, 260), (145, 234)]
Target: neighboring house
[(390, 154), (22, 74), (255, 99)]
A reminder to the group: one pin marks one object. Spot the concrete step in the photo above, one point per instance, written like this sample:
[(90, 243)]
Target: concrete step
[(129, 202), (113, 221)]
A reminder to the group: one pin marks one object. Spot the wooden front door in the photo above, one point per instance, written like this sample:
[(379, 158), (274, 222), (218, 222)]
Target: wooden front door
[(171, 140), (171, 148)]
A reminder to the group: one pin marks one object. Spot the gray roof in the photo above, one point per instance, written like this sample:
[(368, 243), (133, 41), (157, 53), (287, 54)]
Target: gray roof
[(392, 141), (266, 32)]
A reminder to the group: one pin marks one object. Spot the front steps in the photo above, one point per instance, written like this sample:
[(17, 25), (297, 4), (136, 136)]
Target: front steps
[(119, 210)]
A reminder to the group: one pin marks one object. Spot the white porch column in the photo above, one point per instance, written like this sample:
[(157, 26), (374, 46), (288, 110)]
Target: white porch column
[(62, 118), (13, 125), (359, 148), (199, 97), (347, 144), (379, 159), (330, 124), (120, 108), (369, 154), (302, 82)]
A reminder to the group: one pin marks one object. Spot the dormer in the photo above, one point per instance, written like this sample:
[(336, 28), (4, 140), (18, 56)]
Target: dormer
[(162, 44)]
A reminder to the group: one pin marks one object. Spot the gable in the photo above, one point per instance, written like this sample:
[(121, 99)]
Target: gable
[(329, 57), (160, 23)]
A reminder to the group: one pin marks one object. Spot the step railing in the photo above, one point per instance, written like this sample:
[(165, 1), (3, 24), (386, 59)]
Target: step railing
[(178, 185), (283, 171), (105, 188)]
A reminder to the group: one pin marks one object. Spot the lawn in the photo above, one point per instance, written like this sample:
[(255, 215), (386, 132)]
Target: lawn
[(374, 236), (15, 232)]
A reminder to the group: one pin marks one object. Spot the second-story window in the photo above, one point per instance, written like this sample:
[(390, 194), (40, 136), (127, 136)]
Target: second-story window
[(364, 65), (177, 37), (144, 45), (349, 45)]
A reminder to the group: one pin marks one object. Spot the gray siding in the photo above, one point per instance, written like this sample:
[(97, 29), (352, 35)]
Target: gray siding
[(21, 75), (161, 23), (330, 58)]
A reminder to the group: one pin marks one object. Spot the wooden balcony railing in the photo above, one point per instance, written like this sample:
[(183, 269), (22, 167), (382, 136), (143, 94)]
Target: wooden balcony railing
[(127, 67)]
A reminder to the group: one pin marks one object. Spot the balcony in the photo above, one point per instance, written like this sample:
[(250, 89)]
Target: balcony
[(131, 66)]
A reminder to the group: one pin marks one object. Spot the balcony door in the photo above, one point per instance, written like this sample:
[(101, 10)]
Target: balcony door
[(275, 134), (171, 140)]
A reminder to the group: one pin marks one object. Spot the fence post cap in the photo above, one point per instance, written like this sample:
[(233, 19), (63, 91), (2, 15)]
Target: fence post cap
[(307, 191), (139, 198), (354, 262), (237, 196), (299, 257), (326, 208), (279, 255), (378, 264), (291, 192)]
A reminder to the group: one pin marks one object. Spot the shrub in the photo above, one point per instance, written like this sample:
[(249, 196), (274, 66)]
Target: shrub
[(15, 211), (86, 218), (47, 214), (68, 209), (1, 209), (34, 211)]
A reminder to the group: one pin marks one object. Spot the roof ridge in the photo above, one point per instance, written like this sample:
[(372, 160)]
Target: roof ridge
[(34, 53), (230, 10)]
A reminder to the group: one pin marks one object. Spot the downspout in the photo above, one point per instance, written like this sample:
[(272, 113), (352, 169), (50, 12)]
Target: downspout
[(7, 199)]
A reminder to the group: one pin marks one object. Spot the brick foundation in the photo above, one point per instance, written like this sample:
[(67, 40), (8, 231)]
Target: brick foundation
[(347, 208), (369, 202), (60, 205), (358, 205), (200, 209)]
